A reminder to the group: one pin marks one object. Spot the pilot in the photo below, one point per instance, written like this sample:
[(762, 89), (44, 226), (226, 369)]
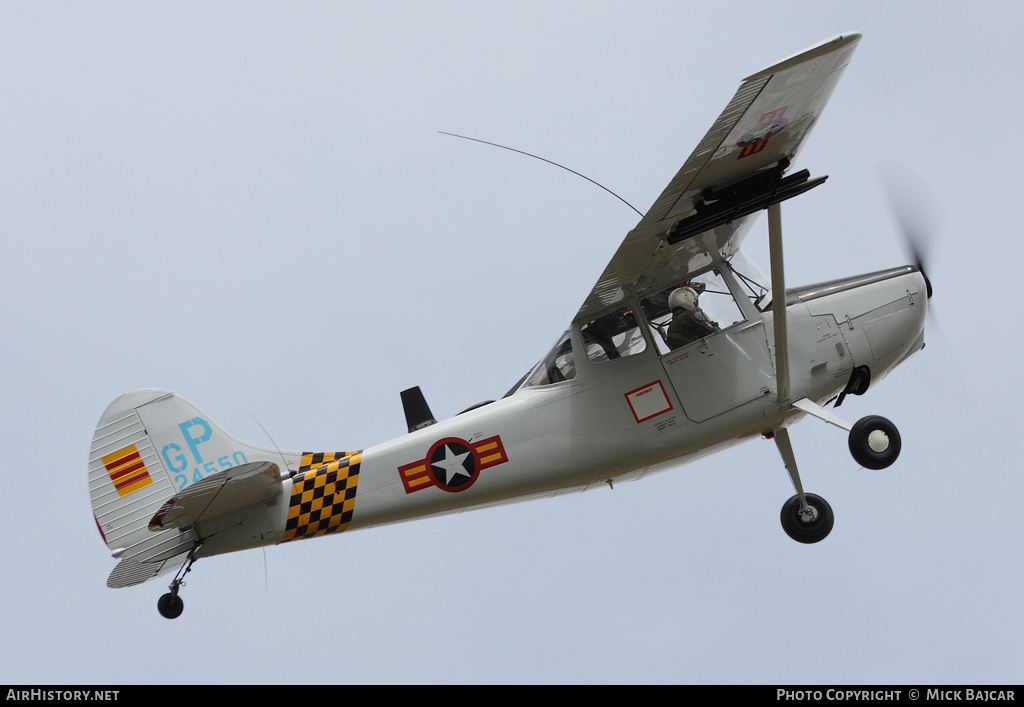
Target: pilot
[(689, 322)]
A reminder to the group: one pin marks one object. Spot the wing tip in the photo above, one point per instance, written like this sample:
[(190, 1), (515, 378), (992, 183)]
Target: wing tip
[(846, 40)]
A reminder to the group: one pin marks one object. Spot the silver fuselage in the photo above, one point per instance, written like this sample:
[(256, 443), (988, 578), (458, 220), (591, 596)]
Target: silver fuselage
[(624, 419)]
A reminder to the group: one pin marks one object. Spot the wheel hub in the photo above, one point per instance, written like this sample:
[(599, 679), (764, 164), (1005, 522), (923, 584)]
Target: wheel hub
[(878, 441), (808, 514)]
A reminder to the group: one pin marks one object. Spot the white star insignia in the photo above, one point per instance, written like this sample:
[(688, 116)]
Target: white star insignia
[(453, 464)]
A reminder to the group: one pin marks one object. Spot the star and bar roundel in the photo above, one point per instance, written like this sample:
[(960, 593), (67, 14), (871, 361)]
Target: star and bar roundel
[(453, 464)]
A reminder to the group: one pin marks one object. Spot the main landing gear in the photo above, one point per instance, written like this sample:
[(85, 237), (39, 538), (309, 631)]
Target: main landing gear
[(874, 443), (170, 605), (808, 520)]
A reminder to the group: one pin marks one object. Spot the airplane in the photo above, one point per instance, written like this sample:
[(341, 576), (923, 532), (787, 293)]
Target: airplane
[(682, 348)]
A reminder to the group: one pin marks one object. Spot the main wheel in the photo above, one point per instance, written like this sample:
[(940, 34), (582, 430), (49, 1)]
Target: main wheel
[(170, 606), (874, 442), (800, 526)]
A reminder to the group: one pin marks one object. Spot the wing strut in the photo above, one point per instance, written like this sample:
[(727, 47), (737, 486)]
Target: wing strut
[(778, 302)]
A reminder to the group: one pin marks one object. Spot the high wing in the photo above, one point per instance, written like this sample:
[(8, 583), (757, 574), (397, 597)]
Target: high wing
[(707, 209)]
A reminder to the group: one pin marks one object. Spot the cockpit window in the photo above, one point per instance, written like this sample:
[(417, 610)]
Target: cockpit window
[(691, 310), (615, 335), (559, 365)]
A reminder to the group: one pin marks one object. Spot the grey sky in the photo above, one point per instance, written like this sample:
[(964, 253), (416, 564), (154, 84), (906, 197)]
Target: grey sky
[(249, 204)]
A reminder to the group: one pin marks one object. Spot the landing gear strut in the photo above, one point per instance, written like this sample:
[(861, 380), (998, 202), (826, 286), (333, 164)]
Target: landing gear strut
[(806, 517), (874, 444), (874, 440), (170, 605)]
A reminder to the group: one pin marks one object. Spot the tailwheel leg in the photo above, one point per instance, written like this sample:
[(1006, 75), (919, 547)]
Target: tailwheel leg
[(170, 605), (806, 517)]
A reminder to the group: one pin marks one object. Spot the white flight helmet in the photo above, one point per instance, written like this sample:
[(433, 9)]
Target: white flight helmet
[(685, 297)]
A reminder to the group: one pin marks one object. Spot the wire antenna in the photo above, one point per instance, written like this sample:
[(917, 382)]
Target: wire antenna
[(542, 159)]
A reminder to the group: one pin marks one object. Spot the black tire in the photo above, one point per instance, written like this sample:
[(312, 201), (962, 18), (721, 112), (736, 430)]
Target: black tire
[(861, 449), (170, 606), (807, 532)]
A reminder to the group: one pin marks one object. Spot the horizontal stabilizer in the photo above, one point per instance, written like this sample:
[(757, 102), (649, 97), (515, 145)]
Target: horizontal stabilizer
[(219, 495), (128, 572)]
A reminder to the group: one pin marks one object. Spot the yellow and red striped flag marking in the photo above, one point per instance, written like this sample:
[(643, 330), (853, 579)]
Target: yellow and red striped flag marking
[(771, 123), (127, 470)]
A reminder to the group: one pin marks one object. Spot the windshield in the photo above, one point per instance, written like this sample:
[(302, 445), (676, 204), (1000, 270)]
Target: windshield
[(755, 283), (559, 365)]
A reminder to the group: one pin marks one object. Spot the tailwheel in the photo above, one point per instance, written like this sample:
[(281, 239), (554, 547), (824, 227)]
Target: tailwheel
[(809, 523), (170, 605), (874, 442)]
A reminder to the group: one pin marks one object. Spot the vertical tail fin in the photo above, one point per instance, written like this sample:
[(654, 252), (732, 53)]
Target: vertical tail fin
[(148, 446)]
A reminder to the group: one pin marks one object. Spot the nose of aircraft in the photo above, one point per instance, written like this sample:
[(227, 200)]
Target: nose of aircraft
[(881, 315), (919, 266), (895, 331)]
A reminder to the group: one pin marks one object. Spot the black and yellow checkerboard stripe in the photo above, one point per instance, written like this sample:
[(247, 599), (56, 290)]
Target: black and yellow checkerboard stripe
[(323, 494)]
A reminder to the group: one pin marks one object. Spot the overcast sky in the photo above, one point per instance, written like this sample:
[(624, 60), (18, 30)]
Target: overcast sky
[(249, 203)]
